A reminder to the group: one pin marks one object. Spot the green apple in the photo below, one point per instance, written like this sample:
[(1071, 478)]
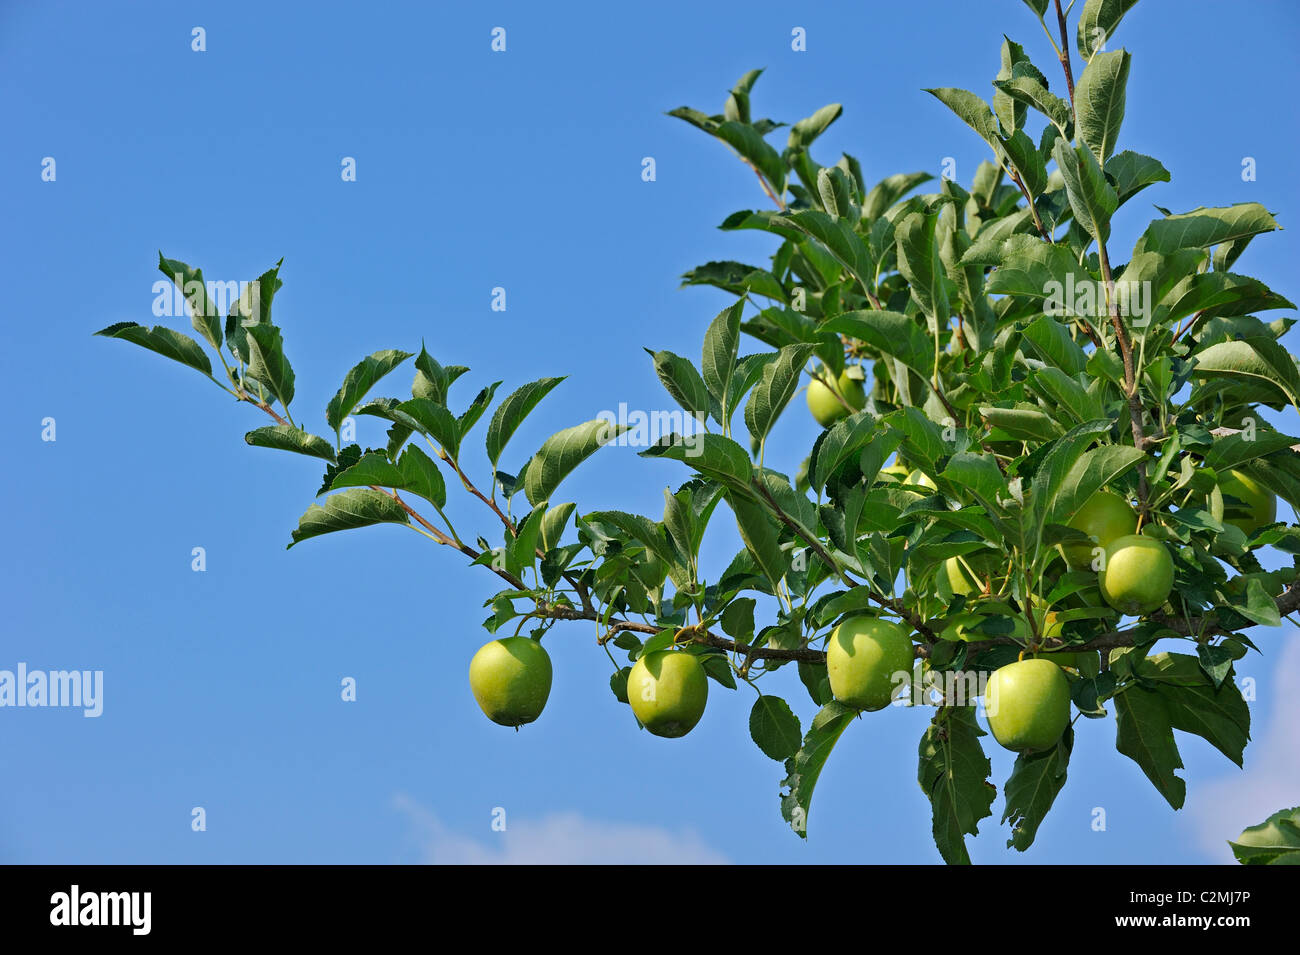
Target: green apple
[(1258, 508), (1028, 705), (1049, 624), (668, 690), (983, 562), (959, 578), (825, 406), (862, 658), (1103, 517), (1138, 576), (511, 679)]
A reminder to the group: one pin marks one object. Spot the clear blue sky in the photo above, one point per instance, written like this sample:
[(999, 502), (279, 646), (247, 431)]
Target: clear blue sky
[(475, 169)]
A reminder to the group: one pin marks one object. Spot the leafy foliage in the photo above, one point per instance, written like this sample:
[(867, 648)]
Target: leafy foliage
[(1015, 365)]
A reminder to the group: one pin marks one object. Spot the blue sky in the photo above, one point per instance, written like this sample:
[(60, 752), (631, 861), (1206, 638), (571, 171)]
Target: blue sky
[(476, 170)]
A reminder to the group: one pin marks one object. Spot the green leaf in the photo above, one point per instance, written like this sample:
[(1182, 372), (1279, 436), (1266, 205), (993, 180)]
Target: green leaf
[(1031, 91), (708, 124), (1215, 293), (421, 476), (1099, 102), (1252, 360), (1219, 716), (1092, 199), (919, 261), (618, 683), (171, 344), (203, 313), (839, 239), (804, 768), (841, 442), (554, 524), (1023, 422), (475, 410), (1204, 227), (564, 451), (1061, 391), (414, 472), (360, 380), (358, 507), (835, 188), (721, 345), (1052, 342), (1146, 735), (1025, 158), (510, 414), (890, 333), (747, 141), (953, 773), (1132, 172), (889, 190), (1275, 841), (977, 473), (1009, 111), (1090, 472), (432, 380), (728, 275), (1036, 269), (267, 362), (775, 728), (806, 130), (430, 419), (748, 372), (717, 668), (284, 437), (974, 112), (649, 533), (761, 535), (524, 547), (1097, 24), (683, 382), (775, 389), (712, 455), (737, 107), (1033, 786)]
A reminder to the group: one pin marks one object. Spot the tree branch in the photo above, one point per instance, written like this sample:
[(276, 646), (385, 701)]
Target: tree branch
[(771, 194), (1064, 55), (1135, 410)]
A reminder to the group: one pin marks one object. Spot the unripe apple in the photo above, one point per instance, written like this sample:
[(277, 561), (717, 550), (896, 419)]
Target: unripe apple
[(1258, 508), (1028, 705), (862, 658), (667, 690), (824, 404), (983, 563), (511, 679), (1103, 517), (1138, 576)]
